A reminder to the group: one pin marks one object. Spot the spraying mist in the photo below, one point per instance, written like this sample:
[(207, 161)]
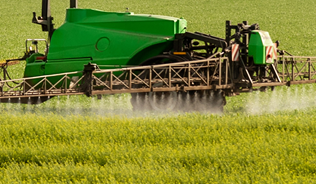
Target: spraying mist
[(281, 99)]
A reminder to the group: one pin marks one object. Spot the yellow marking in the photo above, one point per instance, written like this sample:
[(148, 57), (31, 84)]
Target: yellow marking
[(4, 63), (179, 53)]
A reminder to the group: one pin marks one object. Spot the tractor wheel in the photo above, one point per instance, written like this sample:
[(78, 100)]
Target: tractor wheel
[(215, 101), (140, 102), (163, 101), (192, 101), (188, 101), (163, 59), (202, 101), (155, 101)]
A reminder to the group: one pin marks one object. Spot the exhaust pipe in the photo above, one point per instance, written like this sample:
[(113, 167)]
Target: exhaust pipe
[(45, 9), (46, 19), (73, 3)]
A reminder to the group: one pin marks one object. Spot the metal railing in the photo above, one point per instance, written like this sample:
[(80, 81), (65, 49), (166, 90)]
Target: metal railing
[(38, 86), (208, 74), (296, 69), (191, 75)]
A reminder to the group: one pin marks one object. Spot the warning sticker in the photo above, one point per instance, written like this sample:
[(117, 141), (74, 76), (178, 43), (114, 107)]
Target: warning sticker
[(235, 52), (269, 54)]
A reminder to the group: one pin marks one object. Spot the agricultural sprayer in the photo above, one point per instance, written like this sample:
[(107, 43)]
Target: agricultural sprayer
[(154, 58)]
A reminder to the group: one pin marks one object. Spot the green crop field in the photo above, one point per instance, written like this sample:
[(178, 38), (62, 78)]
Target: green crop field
[(261, 138)]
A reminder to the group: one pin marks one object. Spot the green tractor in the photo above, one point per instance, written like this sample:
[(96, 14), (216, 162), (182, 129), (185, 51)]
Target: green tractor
[(109, 39), (113, 40)]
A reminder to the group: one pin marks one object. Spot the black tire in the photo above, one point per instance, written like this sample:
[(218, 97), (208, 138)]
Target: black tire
[(207, 101), (163, 101), (161, 59), (201, 101), (155, 101), (216, 101), (140, 102)]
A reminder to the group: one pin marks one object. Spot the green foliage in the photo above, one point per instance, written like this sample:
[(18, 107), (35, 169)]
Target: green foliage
[(261, 138), (167, 149), (287, 21)]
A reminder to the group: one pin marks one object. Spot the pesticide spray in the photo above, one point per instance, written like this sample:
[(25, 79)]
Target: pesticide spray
[(281, 99)]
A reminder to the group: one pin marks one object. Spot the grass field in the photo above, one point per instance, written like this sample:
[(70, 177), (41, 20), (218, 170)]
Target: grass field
[(262, 137), (191, 148)]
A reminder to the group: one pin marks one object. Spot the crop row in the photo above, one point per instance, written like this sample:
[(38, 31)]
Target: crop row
[(179, 148)]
